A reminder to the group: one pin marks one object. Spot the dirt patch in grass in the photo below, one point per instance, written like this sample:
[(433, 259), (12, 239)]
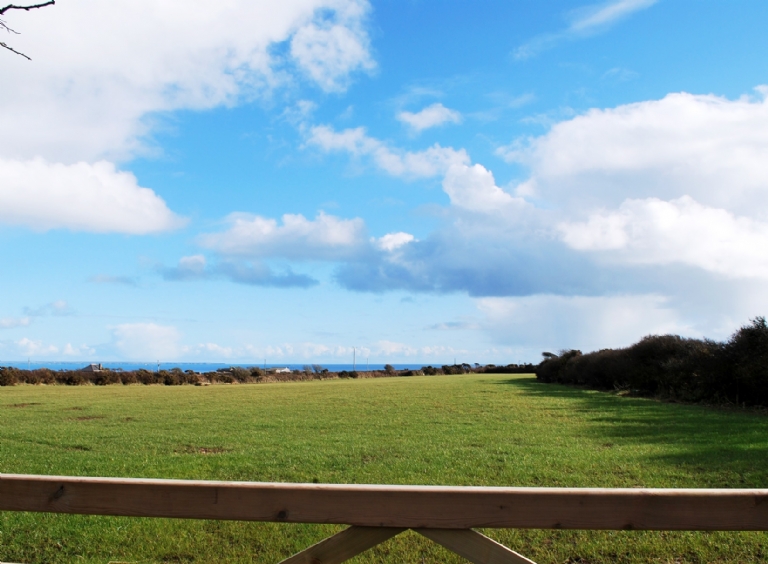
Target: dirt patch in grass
[(192, 449), (90, 417), (23, 404)]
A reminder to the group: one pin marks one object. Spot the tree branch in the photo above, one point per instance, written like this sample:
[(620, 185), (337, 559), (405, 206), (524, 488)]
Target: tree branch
[(14, 50), (8, 29), (25, 8)]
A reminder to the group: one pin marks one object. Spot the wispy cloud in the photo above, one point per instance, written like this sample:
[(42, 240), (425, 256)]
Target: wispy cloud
[(585, 21), (59, 307), (10, 322), (254, 273), (431, 116), (109, 279)]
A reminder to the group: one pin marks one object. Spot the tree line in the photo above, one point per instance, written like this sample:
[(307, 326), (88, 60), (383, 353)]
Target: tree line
[(669, 366)]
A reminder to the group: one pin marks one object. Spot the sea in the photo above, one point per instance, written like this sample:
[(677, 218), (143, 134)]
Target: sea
[(197, 366)]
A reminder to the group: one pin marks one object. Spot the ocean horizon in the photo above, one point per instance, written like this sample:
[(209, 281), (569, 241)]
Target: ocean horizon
[(203, 366)]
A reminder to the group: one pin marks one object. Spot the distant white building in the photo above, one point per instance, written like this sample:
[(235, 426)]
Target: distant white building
[(278, 370)]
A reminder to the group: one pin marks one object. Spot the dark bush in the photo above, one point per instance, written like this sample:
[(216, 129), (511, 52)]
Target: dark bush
[(73, 379), (128, 378), (674, 367), (106, 377), (8, 376)]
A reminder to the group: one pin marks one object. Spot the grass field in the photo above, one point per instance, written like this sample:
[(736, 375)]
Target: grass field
[(457, 430)]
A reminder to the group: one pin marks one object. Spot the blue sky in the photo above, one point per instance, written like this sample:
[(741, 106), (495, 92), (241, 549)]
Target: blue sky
[(420, 180)]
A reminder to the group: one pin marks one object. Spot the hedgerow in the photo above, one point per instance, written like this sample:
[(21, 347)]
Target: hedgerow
[(674, 367)]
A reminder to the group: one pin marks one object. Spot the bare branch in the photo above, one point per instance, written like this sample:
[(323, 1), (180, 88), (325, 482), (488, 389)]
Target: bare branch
[(14, 50), (4, 26), (25, 8)]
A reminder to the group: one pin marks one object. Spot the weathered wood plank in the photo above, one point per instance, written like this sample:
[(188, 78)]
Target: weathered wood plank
[(474, 546), (343, 546), (392, 506)]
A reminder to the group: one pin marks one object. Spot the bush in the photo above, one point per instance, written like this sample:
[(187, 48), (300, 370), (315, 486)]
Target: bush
[(673, 367), (8, 376)]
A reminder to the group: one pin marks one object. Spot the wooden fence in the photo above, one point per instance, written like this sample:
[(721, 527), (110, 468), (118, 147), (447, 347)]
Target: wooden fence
[(376, 513)]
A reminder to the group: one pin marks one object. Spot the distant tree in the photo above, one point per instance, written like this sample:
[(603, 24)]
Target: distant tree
[(389, 369), (4, 26)]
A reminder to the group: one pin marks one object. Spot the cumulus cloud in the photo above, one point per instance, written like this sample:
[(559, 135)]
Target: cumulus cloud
[(470, 187), (430, 162), (98, 95), (147, 341), (330, 48), (81, 197), (26, 347), (393, 241), (326, 237), (473, 188), (431, 116), (653, 231), (585, 21), (87, 98), (704, 146), (80, 351), (209, 350)]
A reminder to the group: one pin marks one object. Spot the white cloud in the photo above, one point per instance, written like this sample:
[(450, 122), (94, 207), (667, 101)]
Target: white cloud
[(325, 238), (433, 161), (328, 50), (209, 351), (87, 94), (147, 341), (710, 148), (81, 351), (393, 241), (58, 307), (596, 17), (11, 322), (431, 116), (469, 187), (581, 322), (80, 197), (585, 21), (473, 188), (653, 231), (29, 348), (189, 268), (104, 71)]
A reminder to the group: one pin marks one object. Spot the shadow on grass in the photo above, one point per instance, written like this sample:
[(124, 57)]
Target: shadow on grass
[(726, 447)]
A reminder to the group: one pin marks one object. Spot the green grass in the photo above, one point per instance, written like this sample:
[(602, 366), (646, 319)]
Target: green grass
[(457, 430)]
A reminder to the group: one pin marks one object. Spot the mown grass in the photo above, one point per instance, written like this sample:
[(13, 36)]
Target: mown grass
[(457, 430)]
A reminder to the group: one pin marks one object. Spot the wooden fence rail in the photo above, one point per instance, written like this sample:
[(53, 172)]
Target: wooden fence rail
[(377, 512)]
